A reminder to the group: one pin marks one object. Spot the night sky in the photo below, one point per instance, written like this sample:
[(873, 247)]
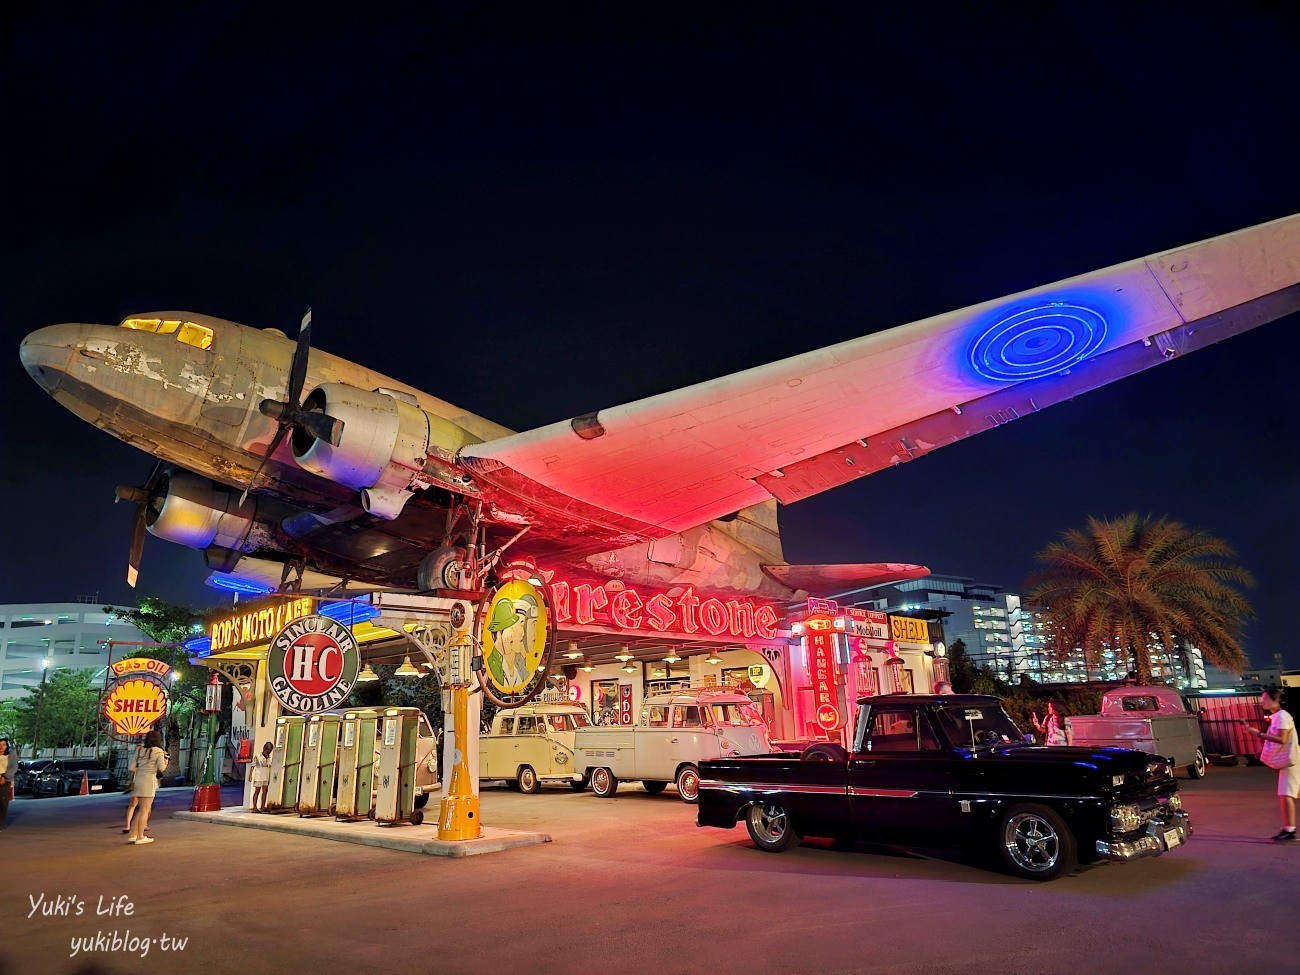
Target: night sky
[(605, 201)]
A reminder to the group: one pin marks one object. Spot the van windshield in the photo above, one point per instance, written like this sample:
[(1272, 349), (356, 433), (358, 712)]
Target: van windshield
[(736, 715)]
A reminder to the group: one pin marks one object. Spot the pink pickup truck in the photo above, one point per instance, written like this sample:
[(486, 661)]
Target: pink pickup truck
[(1145, 719)]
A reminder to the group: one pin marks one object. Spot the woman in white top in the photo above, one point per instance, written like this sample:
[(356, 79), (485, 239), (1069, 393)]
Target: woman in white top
[(148, 769), (262, 777), (135, 798), (1280, 741)]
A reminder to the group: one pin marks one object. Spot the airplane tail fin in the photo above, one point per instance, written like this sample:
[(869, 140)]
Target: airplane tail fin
[(756, 527)]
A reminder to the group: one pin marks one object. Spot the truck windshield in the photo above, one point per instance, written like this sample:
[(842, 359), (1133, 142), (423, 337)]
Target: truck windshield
[(736, 715), (975, 726)]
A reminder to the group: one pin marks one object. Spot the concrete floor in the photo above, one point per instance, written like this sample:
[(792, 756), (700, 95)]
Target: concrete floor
[(632, 885)]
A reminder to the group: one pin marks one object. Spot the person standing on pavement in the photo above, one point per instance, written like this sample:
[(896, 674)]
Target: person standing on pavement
[(262, 777), (6, 779), (1280, 746), (135, 796), (148, 771)]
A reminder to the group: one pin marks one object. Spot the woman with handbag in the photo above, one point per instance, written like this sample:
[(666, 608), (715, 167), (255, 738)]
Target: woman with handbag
[(148, 773), (1281, 752), (130, 788)]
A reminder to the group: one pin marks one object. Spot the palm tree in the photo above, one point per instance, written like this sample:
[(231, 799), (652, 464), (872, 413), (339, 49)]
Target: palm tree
[(1131, 582)]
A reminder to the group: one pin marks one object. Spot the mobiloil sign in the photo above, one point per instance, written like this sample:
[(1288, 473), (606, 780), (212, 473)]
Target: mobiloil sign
[(312, 664)]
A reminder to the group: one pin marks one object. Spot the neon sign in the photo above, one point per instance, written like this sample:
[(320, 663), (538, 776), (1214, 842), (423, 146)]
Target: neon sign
[(822, 670), (679, 612), (256, 626)]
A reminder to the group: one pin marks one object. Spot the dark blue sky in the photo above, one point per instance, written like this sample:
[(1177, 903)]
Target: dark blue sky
[(613, 200)]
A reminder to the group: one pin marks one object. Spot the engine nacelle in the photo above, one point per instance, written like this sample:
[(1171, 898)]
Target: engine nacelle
[(197, 513), (389, 447)]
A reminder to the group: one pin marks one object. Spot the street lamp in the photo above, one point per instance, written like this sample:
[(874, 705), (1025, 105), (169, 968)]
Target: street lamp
[(40, 706)]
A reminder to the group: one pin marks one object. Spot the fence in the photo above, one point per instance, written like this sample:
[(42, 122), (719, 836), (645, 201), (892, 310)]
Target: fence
[(1221, 717)]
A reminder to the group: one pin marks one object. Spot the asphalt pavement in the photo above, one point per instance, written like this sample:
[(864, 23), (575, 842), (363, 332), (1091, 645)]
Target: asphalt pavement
[(628, 885)]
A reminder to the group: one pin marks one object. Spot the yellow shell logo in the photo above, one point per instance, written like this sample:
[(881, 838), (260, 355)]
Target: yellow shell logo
[(134, 706)]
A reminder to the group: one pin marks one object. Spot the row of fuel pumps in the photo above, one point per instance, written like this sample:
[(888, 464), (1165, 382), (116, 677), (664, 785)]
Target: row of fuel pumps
[(361, 764)]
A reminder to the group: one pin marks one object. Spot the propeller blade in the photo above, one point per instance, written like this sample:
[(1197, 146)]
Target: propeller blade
[(137, 547), (275, 442), (322, 426), (298, 370), (143, 498)]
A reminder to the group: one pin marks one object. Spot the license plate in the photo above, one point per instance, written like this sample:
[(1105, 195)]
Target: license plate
[(1172, 839), (96, 788)]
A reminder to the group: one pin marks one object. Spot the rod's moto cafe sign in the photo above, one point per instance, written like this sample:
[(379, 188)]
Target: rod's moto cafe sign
[(257, 625)]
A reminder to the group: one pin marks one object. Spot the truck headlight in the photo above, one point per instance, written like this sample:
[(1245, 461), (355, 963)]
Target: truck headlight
[(1116, 781), (1125, 818), (1175, 801)]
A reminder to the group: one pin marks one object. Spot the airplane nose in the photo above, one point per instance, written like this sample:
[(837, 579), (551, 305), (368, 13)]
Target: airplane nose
[(46, 353)]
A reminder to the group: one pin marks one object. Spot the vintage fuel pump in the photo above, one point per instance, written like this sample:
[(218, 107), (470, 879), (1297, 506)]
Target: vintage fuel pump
[(441, 629), (207, 794), (356, 764), (395, 797), (319, 762), (286, 764)]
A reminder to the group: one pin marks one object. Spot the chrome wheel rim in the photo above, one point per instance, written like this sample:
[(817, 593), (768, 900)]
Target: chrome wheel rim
[(769, 821), (1032, 843), (527, 779), (689, 785)]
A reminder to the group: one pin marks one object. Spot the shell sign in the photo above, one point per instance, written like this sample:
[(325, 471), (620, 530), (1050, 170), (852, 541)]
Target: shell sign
[(135, 705), (137, 698)]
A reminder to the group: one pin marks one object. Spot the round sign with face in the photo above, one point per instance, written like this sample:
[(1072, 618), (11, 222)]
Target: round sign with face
[(515, 630), (312, 664)]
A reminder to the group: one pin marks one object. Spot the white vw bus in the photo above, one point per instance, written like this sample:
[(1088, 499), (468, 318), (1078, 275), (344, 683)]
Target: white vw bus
[(676, 732), (532, 744)]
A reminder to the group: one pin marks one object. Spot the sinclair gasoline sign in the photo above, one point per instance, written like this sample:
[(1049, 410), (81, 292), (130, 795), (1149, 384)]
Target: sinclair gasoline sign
[(312, 664)]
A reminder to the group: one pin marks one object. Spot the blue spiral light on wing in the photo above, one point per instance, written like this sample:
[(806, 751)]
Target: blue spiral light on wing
[(1037, 342)]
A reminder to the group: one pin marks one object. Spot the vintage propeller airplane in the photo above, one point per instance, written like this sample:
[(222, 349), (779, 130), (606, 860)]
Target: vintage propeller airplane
[(364, 481)]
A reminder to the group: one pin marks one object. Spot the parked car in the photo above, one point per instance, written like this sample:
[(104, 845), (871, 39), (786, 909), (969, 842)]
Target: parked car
[(62, 777), (676, 732), (531, 745), (25, 774), (1146, 719), (953, 770)]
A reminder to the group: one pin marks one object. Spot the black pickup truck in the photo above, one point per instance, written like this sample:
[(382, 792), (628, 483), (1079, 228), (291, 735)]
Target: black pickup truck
[(953, 771)]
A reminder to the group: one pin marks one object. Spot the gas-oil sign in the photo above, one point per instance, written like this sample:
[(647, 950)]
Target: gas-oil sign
[(137, 698), (312, 664)]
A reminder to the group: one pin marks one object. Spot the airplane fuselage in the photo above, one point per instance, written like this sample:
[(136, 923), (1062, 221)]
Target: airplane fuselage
[(187, 392)]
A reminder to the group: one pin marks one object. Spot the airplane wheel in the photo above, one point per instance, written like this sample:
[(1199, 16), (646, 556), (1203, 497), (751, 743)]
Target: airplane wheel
[(440, 569)]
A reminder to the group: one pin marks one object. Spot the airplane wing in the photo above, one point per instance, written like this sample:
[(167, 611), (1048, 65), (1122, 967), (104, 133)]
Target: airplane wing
[(802, 425)]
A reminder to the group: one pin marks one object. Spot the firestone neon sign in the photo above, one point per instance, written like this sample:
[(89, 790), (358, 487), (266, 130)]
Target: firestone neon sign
[(626, 608)]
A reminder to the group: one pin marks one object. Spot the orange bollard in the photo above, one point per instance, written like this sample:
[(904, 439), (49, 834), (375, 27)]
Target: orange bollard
[(85, 784)]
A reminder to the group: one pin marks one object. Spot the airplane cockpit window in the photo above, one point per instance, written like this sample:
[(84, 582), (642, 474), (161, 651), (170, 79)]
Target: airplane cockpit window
[(199, 336)]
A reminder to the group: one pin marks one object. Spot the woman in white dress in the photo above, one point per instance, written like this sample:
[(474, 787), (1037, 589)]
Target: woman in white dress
[(148, 770)]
